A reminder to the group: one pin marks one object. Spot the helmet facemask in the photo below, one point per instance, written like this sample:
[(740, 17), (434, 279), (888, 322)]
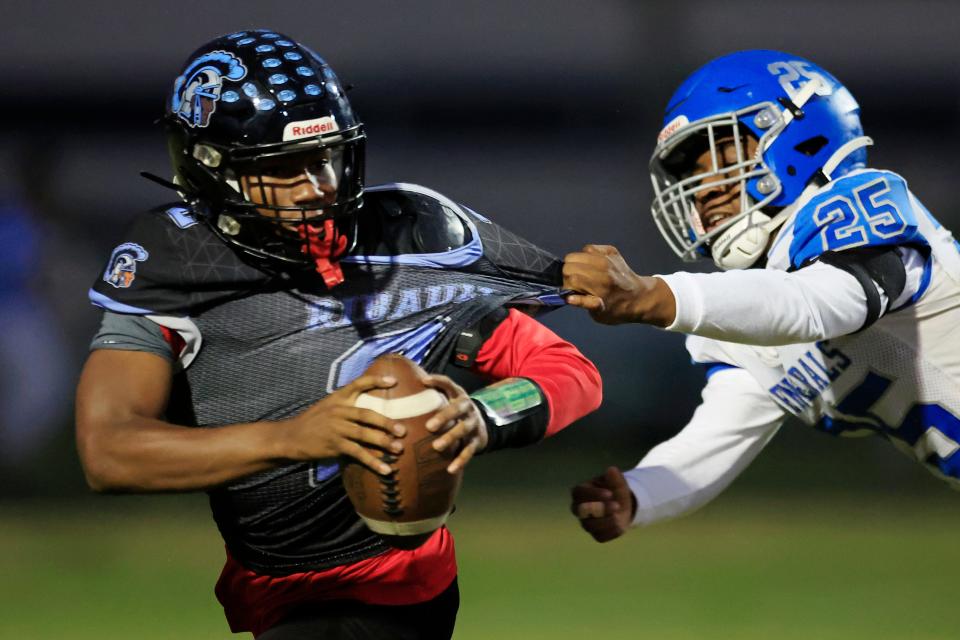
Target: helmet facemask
[(677, 182), (294, 202), (807, 129)]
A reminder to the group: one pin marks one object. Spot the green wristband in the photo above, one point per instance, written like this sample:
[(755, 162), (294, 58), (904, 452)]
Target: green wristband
[(509, 400)]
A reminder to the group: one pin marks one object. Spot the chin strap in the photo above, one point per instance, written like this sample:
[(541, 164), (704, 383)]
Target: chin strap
[(324, 244), (740, 246)]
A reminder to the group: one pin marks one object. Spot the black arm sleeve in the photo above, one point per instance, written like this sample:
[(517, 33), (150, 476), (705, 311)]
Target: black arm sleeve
[(869, 265)]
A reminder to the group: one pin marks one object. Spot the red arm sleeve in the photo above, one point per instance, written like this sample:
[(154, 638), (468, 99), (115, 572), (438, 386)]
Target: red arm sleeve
[(522, 347)]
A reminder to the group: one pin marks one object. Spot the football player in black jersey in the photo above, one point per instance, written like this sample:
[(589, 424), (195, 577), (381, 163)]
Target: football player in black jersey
[(238, 322)]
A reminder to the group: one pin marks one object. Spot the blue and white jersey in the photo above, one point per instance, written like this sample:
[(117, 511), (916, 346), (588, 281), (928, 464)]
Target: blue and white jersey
[(899, 377), (861, 209)]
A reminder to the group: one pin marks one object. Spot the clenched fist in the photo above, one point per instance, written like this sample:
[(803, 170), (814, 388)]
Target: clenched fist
[(605, 286), (605, 505)]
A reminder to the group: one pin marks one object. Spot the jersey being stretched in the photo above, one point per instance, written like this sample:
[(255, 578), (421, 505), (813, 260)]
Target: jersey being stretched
[(263, 346)]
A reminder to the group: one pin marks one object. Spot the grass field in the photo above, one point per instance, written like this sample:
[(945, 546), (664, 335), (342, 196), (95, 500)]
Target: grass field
[(743, 568)]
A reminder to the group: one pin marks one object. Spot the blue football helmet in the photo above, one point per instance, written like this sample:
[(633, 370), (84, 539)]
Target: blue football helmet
[(807, 130)]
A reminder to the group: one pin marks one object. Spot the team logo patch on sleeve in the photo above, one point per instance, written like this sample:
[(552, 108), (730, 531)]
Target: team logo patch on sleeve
[(122, 269), (197, 91)]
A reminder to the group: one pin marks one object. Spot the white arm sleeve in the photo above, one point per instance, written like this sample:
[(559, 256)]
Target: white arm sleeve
[(768, 307), (734, 422)]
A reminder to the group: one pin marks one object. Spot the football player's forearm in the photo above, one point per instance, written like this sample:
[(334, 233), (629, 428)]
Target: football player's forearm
[(767, 307), (521, 347), (654, 303), (126, 445), (727, 431), (677, 478), (149, 455), (570, 382)]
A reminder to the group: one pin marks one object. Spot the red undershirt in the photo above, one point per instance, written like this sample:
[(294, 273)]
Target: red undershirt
[(519, 347)]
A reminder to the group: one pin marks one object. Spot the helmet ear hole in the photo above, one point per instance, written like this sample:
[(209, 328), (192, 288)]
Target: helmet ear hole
[(791, 170), (811, 146)]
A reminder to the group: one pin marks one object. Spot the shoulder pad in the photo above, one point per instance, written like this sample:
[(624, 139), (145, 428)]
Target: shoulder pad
[(863, 208), (517, 256), (166, 262), (416, 219)]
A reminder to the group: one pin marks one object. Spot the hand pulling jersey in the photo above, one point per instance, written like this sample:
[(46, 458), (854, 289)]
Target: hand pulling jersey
[(272, 344)]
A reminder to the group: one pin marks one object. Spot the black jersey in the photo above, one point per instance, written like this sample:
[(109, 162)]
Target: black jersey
[(273, 344)]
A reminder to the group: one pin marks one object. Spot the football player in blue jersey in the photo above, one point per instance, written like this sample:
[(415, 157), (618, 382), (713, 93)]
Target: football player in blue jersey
[(838, 301), (238, 323)]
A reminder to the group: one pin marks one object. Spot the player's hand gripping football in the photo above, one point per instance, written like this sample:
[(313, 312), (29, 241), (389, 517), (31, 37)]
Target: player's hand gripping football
[(613, 294), (333, 427), (460, 424), (605, 505)]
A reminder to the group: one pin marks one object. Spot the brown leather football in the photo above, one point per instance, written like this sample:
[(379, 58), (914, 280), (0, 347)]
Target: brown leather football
[(409, 504)]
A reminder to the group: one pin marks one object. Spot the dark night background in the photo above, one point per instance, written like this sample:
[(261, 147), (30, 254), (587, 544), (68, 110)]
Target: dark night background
[(539, 114)]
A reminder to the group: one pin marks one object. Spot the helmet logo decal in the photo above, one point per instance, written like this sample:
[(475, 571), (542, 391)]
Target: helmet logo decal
[(672, 128), (793, 74), (122, 268), (309, 128), (196, 92)]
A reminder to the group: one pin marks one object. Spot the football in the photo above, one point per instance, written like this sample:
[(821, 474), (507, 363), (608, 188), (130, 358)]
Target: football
[(409, 504)]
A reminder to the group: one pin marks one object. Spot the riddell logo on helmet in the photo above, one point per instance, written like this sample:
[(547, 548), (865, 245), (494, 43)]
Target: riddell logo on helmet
[(672, 127), (309, 128)]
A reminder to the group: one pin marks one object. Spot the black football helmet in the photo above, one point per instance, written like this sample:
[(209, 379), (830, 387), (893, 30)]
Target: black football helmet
[(253, 105)]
